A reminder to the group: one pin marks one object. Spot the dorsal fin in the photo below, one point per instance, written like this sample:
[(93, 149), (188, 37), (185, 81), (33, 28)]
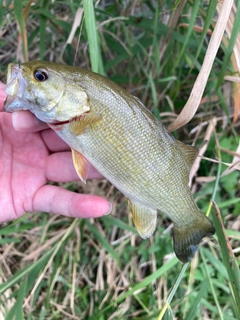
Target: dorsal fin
[(189, 153)]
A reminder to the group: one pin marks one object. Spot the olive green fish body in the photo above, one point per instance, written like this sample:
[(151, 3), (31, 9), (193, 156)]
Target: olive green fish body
[(121, 138), (141, 162)]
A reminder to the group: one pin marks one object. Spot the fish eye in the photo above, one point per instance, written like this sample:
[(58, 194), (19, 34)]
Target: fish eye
[(40, 75)]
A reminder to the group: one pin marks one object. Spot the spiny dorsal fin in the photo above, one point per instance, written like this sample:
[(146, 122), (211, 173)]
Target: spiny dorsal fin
[(79, 124), (145, 219), (189, 153), (81, 165)]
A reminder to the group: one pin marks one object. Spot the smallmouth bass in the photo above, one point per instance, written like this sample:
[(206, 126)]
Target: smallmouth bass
[(108, 127)]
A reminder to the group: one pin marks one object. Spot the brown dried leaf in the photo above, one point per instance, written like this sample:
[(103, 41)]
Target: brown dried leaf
[(202, 150), (36, 253), (76, 24), (235, 60), (193, 102), (235, 162)]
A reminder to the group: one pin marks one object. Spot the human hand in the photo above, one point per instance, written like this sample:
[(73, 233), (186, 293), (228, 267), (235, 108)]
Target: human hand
[(31, 156)]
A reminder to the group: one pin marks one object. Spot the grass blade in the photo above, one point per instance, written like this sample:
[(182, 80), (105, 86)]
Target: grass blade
[(193, 102), (103, 241), (1, 12), (111, 221), (19, 275), (43, 26), (220, 315), (229, 259), (19, 314), (173, 291), (207, 22), (18, 11), (148, 280), (194, 307), (194, 13), (93, 38), (232, 41)]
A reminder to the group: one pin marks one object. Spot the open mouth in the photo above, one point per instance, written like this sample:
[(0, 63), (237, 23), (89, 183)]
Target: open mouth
[(16, 86)]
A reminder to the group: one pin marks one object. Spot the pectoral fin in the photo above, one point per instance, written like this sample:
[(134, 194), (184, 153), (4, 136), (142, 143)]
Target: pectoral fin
[(145, 219), (79, 124), (81, 165)]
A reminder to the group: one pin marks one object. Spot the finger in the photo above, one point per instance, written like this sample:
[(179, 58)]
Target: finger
[(25, 121), (56, 200), (59, 168), (2, 95), (53, 142)]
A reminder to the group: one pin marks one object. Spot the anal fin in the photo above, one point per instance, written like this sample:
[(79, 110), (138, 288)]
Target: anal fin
[(145, 219), (81, 165)]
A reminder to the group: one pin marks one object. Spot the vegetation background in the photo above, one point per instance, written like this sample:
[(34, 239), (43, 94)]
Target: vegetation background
[(52, 267)]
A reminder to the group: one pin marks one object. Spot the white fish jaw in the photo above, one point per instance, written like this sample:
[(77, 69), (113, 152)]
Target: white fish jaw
[(16, 86)]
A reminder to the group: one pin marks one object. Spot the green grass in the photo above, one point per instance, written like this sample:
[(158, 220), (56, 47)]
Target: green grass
[(52, 267)]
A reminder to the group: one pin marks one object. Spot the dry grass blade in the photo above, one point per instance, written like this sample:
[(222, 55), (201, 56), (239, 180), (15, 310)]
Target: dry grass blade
[(193, 102), (202, 150), (8, 301), (66, 234), (172, 24), (76, 24), (235, 162), (229, 27), (235, 60), (36, 253), (232, 78)]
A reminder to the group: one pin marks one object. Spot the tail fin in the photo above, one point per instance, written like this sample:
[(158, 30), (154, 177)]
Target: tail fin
[(186, 239)]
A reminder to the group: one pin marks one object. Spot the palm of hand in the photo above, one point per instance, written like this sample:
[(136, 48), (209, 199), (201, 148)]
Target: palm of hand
[(22, 168), (27, 162)]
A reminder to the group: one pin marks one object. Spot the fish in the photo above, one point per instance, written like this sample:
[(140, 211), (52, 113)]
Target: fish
[(112, 130)]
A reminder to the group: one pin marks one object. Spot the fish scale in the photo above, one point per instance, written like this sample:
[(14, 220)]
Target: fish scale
[(140, 166), (120, 137)]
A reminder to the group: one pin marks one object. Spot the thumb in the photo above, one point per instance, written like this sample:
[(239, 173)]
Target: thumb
[(25, 121)]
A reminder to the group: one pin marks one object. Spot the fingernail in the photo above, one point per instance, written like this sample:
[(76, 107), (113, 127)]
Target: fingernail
[(15, 120), (110, 209)]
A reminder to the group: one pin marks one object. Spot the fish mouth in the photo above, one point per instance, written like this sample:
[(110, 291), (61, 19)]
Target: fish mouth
[(16, 86)]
